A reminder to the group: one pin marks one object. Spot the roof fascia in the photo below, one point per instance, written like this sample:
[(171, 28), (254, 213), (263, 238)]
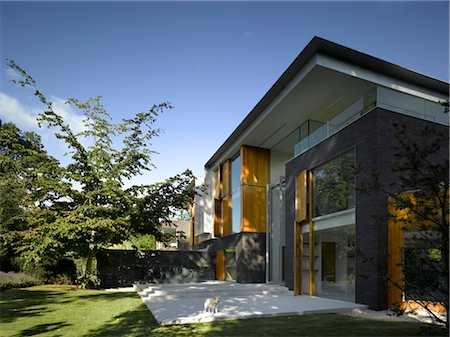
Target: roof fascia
[(379, 78)]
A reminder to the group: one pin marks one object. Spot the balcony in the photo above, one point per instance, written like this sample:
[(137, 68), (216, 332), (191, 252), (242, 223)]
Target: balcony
[(313, 132)]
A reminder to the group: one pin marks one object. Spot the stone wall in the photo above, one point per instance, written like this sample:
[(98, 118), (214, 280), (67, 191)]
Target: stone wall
[(122, 268)]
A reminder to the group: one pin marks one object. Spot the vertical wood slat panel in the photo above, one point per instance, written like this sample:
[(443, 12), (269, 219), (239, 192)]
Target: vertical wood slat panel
[(255, 175), (395, 271), (217, 184), (301, 197), (226, 215), (255, 166), (226, 178), (217, 218), (253, 199), (220, 265)]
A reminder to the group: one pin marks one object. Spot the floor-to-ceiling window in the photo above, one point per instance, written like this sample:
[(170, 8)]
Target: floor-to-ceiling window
[(236, 195), (334, 228), (276, 234)]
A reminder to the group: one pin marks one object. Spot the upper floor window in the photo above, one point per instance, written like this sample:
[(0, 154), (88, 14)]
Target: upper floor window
[(236, 195), (334, 185)]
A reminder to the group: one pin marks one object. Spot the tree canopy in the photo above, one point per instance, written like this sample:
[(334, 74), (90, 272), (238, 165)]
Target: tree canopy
[(86, 205)]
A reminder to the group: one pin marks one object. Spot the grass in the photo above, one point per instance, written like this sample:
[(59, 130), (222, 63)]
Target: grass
[(64, 311)]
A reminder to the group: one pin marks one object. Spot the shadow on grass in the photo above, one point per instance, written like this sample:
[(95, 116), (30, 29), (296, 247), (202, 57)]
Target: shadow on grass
[(20, 303), (308, 325), (136, 322), (41, 329), (35, 302)]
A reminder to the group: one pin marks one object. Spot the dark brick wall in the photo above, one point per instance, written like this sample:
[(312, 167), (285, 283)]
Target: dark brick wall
[(372, 137), (250, 254), (122, 268)]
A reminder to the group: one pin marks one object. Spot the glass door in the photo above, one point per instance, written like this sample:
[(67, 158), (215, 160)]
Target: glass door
[(276, 232)]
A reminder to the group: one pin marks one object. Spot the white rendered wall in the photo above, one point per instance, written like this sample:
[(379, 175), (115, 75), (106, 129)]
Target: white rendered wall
[(277, 165), (208, 204)]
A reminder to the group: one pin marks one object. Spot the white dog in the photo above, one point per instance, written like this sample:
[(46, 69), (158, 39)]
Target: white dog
[(211, 305)]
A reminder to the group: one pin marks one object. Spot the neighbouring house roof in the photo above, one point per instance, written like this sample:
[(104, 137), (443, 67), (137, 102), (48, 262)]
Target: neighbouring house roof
[(321, 46)]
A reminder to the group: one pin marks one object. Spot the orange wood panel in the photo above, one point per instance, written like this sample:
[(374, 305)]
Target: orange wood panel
[(226, 178), (217, 218), (255, 166), (220, 265), (192, 222), (226, 215), (301, 197), (412, 305), (217, 184), (395, 272), (253, 209)]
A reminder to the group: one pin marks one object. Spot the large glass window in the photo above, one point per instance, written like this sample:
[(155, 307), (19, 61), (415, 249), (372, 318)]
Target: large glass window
[(334, 185), (422, 260), (334, 262), (236, 195)]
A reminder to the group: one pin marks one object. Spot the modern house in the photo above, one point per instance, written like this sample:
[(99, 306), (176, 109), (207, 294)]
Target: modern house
[(282, 203)]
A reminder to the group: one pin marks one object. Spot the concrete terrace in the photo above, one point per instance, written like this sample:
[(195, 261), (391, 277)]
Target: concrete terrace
[(183, 303)]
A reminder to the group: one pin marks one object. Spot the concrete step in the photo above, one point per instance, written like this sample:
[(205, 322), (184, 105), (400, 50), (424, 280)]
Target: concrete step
[(222, 289)]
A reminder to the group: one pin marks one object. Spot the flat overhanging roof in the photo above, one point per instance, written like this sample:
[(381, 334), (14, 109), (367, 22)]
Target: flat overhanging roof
[(324, 47)]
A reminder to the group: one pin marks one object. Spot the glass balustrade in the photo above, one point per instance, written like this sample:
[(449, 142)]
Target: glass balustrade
[(377, 97)]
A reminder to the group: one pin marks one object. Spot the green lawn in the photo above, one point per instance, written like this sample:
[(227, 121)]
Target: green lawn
[(65, 311)]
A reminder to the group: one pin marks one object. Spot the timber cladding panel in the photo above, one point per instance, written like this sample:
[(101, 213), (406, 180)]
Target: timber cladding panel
[(217, 218), (226, 215), (255, 166), (225, 178), (220, 265), (253, 209), (301, 197), (255, 175)]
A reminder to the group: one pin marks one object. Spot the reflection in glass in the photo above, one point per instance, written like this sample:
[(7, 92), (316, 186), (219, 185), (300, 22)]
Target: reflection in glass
[(236, 195), (334, 263), (422, 262), (305, 262), (230, 264), (334, 185)]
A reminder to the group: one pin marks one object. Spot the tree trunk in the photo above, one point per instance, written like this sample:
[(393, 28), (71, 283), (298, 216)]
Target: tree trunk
[(89, 260), (89, 277)]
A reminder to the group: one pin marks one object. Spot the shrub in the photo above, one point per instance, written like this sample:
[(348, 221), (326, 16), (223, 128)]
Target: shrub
[(17, 280)]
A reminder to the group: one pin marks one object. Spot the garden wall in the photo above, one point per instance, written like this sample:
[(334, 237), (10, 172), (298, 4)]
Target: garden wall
[(122, 268)]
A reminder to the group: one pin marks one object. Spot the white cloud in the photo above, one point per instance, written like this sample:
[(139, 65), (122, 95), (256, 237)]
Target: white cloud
[(69, 116), (12, 74), (12, 110)]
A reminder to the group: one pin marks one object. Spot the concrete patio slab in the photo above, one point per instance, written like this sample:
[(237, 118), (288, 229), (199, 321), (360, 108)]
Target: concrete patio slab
[(259, 301)]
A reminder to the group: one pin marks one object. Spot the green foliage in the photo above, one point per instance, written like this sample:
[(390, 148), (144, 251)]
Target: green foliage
[(17, 280), (144, 242), (78, 222), (29, 179)]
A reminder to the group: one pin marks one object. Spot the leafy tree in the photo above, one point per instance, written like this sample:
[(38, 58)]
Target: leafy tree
[(420, 208), (28, 177), (101, 212)]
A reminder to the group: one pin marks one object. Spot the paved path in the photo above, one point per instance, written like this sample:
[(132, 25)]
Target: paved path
[(177, 304)]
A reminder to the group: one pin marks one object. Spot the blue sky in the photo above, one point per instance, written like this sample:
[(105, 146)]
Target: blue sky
[(212, 60)]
